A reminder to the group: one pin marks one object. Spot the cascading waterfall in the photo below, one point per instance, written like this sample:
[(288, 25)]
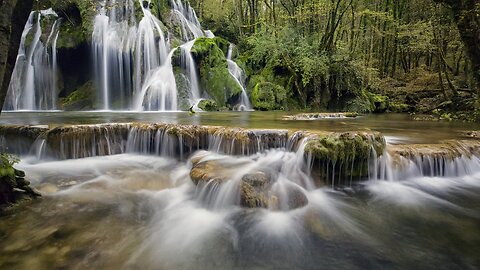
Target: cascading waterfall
[(239, 76), (34, 80), (133, 62), (190, 25)]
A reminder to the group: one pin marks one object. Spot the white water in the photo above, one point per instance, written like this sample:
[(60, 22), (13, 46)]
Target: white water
[(34, 80), (133, 61), (171, 223), (239, 76), (191, 68)]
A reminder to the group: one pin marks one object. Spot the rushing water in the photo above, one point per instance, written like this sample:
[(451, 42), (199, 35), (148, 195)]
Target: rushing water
[(131, 211), (141, 209)]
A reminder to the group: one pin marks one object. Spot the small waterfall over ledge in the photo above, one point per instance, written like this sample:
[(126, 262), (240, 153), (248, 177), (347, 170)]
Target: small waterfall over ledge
[(34, 80), (333, 159), (239, 76)]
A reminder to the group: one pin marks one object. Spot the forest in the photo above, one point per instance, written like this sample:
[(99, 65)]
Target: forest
[(362, 56)]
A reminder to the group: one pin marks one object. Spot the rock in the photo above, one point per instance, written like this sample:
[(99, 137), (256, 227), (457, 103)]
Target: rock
[(295, 198), (80, 99), (252, 197), (208, 105), (258, 179), (13, 188), (205, 172), (215, 78)]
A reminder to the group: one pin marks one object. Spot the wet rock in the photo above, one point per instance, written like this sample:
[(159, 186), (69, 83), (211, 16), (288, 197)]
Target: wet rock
[(205, 172), (252, 197), (13, 186), (258, 179), (208, 105), (317, 116), (295, 198)]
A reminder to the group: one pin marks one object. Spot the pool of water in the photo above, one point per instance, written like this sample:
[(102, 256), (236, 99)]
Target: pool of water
[(397, 127)]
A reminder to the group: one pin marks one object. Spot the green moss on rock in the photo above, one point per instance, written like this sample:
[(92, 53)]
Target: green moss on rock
[(267, 96), (80, 99), (342, 156), (215, 78), (208, 105), (13, 186)]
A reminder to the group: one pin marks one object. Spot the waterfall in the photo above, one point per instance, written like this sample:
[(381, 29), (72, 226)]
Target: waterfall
[(191, 68), (239, 76), (113, 44), (159, 92), (134, 62), (34, 79), (132, 59), (190, 25)]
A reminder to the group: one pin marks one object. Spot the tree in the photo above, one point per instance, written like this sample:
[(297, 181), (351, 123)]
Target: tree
[(467, 17)]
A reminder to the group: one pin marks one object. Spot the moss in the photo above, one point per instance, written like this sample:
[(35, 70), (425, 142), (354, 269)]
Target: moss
[(13, 185), (398, 107), (77, 20), (348, 152), (215, 78), (208, 105), (380, 103), (80, 99), (268, 96), (362, 103)]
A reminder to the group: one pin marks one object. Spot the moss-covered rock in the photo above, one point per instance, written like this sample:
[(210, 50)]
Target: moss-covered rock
[(80, 99), (13, 186), (215, 78), (77, 20), (267, 96), (208, 105), (342, 156)]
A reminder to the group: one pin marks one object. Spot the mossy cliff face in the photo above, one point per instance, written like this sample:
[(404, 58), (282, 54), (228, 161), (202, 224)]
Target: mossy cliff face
[(214, 76), (77, 20)]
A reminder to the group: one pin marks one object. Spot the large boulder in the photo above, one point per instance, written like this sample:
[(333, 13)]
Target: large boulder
[(215, 78)]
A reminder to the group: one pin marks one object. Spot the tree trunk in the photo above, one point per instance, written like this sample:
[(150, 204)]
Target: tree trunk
[(465, 13)]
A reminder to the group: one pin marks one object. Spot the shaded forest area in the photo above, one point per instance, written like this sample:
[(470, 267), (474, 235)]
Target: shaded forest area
[(355, 55)]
